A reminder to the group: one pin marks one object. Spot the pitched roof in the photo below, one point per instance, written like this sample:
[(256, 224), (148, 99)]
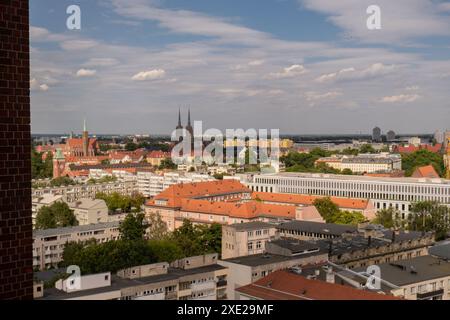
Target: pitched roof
[(247, 210), (300, 199), (425, 172), (284, 285), (175, 193), (411, 148)]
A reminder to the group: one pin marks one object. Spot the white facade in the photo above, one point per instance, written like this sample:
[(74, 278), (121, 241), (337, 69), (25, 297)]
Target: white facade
[(365, 163), (89, 211), (151, 184), (399, 193), (121, 175)]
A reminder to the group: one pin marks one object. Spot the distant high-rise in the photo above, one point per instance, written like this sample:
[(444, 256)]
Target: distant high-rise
[(439, 136), (376, 134), (390, 136)]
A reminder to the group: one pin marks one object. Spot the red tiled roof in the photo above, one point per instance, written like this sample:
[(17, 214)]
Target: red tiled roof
[(299, 199), (158, 155), (247, 210), (78, 142), (425, 172), (284, 285), (175, 193), (411, 148)]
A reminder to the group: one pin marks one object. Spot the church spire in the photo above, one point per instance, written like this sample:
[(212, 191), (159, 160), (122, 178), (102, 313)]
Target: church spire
[(179, 126), (84, 125)]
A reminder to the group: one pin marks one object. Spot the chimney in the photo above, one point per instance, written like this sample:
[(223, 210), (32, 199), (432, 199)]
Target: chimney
[(369, 241)]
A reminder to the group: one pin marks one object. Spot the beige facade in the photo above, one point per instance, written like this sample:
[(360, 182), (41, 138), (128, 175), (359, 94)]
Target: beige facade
[(89, 211), (48, 245), (246, 239)]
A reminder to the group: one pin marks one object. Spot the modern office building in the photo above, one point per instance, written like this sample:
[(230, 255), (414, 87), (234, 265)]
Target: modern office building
[(376, 134), (399, 193)]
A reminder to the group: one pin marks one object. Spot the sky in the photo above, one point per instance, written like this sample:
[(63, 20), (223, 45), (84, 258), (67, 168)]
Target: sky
[(300, 66)]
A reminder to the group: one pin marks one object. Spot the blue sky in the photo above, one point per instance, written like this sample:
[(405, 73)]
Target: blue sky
[(301, 66)]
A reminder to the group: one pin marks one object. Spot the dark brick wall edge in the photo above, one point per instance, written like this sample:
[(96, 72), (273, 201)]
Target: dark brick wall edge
[(16, 273)]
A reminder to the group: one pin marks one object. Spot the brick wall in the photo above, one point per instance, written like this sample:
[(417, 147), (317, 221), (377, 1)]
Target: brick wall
[(16, 274)]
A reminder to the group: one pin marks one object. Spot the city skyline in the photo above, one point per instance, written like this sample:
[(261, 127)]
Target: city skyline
[(134, 63)]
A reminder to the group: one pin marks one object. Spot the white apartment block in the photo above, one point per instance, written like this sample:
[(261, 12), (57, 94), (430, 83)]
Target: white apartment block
[(151, 184), (399, 193), (80, 191), (121, 175), (48, 244)]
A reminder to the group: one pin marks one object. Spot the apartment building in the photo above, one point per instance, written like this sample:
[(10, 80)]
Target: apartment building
[(75, 192), (121, 175), (363, 206), (48, 244), (364, 163), (398, 193), (244, 239), (192, 278), (288, 285), (420, 278), (88, 211), (151, 184), (44, 200), (359, 246), (280, 254)]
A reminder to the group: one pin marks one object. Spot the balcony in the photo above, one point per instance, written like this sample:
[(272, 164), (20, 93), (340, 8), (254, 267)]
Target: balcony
[(210, 285), (184, 293), (222, 283), (156, 296)]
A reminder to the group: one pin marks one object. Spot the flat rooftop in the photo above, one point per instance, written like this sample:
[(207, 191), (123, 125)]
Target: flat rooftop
[(439, 181), (317, 227), (66, 230), (266, 259), (413, 270), (118, 283), (248, 226)]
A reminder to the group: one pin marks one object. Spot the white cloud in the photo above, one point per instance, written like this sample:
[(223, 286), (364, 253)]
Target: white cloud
[(149, 75), (101, 62), (36, 86), (375, 70), (289, 72), (412, 88), (401, 20), (86, 73), (255, 63), (77, 45), (401, 98)]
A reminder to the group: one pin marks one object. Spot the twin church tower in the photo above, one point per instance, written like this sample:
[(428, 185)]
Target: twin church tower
[(189, 127)]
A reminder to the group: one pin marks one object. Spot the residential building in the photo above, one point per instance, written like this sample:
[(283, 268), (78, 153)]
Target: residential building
[(364, 163), (79, 191), (399, 193), (359, 246), (390, 136), (192, 278), (151, 184), (410, 148), (425, 172), (48, 244), (415, 141), (44, 200), (279, 255), (363, 206), (420, 278), (287, 285), (376, 134), (90, 211), (244, 239), (155, 158)]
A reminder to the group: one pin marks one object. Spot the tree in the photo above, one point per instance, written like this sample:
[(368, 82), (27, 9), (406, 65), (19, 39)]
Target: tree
[(420, 158), (41, 169), (186, 237), (62, 181), (347, 172), (127, 204), (210, 238), (429, 216), (130, 146), (327, 208), (167, 164), (389, 218), (133, 227), (347, 217), (165, 250), (157, 228), (367, 148), (55, 216)]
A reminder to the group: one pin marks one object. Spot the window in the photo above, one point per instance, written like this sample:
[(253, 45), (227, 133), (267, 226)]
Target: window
[(258, 245), (250, 246), (106, 277)]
